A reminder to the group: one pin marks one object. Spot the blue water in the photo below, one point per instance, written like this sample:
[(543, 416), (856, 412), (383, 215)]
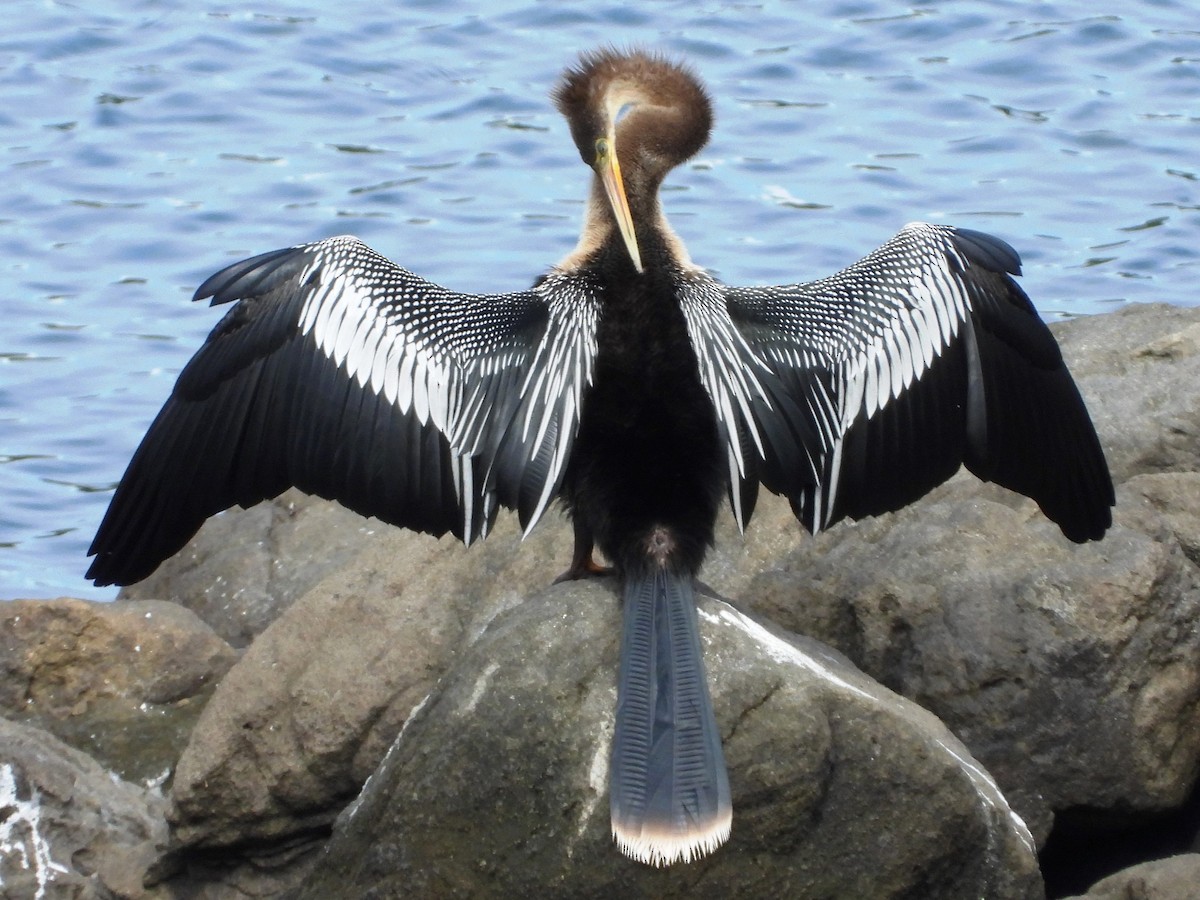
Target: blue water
[(149, 143)]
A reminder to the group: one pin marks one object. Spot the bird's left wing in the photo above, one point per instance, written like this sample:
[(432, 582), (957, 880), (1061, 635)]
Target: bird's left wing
[(862, 391), (341, 373)]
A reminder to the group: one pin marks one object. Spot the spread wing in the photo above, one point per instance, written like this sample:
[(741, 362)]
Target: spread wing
[(340, 373), (858, 393)]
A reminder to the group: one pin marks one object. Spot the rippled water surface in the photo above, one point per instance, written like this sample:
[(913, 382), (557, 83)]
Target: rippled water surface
[(147, 144)]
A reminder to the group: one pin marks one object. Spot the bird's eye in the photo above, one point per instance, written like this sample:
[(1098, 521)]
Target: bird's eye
[(601, 148)]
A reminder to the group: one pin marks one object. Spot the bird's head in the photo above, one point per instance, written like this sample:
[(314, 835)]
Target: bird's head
[(634, 116)]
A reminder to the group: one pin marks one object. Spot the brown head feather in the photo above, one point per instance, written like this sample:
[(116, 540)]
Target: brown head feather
[(669, 114), (654, 113)]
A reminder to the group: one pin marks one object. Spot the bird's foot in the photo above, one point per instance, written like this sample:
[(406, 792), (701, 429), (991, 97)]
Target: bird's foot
[(584, 568)]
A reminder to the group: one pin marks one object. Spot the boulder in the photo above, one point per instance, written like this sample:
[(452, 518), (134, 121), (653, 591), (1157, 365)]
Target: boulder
[(497, 786), (1068, 670), (246, 566), (1138, 368), (1175, 878), (1064, 668), (68, 827), (307, 714), (123, 681)]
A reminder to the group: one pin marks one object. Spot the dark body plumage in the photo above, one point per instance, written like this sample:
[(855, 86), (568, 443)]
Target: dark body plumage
[(648, 451), (633, 387)]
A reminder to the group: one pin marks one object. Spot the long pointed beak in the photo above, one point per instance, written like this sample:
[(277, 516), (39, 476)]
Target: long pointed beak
[(609, 171)]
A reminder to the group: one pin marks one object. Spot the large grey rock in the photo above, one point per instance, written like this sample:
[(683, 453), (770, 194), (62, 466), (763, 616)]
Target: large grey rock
[(1068, 670), (68, 827), (124, 682), (1138, 369), (245, 567), (1175, 878), (306, 715), (1065, 668), (498, 785)]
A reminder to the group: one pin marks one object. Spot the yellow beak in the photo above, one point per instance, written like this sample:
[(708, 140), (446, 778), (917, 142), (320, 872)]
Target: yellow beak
[(609, 171)]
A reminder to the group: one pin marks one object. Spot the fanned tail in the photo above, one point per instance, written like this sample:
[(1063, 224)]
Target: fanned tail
[(670, 791)]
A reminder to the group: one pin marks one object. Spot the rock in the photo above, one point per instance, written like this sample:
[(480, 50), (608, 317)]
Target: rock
[(122, 681), (245, 567), (68, 827), (1068, 670), (1176, 878), (498, 785), (1138, 368), (307, 714)]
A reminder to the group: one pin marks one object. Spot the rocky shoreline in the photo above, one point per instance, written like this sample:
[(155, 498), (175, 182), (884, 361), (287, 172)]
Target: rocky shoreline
[(304, 703)]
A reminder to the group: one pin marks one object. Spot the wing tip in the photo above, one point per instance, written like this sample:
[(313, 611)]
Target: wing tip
[(987, 250), (108, 569), (1088, 525), (249, 277)]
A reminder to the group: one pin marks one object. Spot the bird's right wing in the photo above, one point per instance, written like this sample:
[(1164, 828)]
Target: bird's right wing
[(920, 357), (340, 373)]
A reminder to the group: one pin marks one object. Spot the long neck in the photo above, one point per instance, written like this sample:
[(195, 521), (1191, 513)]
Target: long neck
[(657, 240)]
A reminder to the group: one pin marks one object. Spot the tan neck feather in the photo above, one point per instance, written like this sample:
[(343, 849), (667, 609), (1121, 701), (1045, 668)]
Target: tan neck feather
[(598, 227)]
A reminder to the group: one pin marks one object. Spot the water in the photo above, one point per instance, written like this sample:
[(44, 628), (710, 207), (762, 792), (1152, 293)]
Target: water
[(149, 143)]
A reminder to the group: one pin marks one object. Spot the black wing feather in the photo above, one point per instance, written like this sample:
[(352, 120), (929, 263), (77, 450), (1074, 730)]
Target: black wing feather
[(1039, 438), (342, 374), (921, 357)]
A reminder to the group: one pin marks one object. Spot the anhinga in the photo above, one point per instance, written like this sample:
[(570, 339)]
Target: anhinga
[(633, 387)]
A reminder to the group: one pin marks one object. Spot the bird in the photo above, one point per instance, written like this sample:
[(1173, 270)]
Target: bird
[(632, 388)]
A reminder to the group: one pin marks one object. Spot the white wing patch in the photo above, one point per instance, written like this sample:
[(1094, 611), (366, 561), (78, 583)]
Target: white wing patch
[(873, 329), (899, 342), (917, 306), (345, 318), (553, 390), (729, 371), (444, 358)]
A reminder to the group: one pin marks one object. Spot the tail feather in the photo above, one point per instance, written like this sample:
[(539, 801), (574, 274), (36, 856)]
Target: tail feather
[(670, 791)]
